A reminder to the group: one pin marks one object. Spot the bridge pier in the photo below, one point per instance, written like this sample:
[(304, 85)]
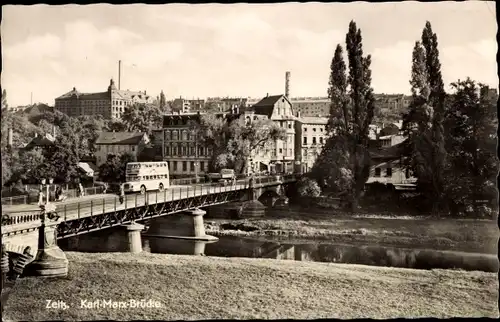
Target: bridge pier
[(188, 225), (50, 260), (134, 237)]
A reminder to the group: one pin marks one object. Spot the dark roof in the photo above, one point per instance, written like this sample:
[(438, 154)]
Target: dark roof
[(266, 105), (392, 152), (38, 109), (47, 140), (120, 138)]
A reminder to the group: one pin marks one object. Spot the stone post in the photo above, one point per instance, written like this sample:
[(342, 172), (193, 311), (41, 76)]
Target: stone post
[(134, 237), (50, 260)]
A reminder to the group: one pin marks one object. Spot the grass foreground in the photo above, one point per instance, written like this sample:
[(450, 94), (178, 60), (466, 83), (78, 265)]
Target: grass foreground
[(196, 287)]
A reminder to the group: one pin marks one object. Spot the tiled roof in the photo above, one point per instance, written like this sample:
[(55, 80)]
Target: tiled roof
[(46, 140), (313, 120), (120, 138)]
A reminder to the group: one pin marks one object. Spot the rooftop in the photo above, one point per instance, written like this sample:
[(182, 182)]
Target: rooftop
[(121, 138), (313, 120)]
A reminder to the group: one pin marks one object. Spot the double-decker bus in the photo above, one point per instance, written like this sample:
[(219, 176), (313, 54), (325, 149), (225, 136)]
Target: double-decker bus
[(145, 176)]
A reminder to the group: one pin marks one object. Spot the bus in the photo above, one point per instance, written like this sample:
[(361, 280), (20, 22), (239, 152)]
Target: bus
[(146, 176)]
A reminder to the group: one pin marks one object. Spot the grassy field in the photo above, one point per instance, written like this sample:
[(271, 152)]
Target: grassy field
[(190, 287), (475, 235)]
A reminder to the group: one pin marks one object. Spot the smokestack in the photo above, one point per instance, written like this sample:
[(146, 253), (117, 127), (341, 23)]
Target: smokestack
[(287, 85), (9, 138), (119, 73)]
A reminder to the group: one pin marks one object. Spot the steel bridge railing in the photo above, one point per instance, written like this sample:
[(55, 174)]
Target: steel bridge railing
[(94, 207)]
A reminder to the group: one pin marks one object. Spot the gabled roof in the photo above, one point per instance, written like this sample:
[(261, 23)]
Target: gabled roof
[(47, 140), (85, 96), (120, 138), (266, 105)]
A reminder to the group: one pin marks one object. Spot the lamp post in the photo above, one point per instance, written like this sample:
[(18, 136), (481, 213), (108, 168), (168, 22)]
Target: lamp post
[(47, 184)]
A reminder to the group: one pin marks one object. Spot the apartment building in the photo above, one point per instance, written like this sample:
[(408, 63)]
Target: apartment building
[(184, 105), (110, 104), (310, 138), (177, 144), (282, 152), (312, 106)]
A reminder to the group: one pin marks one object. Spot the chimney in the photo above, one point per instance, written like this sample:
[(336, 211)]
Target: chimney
[(287, 85), (267, 94), (9, 138), (119, 73)]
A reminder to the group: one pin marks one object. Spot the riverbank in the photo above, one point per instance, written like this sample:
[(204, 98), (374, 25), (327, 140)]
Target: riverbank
[(196, 287), (466, 235)]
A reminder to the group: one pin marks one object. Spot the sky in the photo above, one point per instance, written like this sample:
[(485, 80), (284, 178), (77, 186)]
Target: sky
[(207, 50)]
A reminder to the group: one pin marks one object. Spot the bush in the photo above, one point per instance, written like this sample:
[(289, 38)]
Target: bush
[(308, 188)]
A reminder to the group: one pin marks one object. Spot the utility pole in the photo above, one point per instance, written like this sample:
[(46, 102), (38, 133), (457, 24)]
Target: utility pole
[(31, 100)]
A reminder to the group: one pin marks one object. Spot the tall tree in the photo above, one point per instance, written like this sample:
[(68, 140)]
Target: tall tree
[(163, 101), (471, 125), (142, 118), (424, 121), (4, 99), (234, 141), (113, 170), (343, 165)]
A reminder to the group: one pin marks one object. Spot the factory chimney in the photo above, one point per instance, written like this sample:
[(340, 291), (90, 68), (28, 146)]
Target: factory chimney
[(287, 85), (119, 73)]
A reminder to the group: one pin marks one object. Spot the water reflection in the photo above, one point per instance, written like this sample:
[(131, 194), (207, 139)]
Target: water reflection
[(322, 252), (175, 246)]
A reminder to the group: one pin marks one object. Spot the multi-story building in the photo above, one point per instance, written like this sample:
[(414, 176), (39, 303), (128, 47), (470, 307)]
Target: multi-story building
[(177, 144), (184, 105), (311, 136), (312, 106), (225, 103), (117, 143), (110, 104)]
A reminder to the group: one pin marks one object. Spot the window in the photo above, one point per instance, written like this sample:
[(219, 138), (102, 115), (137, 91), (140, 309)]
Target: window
[(175, 165), (305, 129), (314, 140), (305, 139), (377, 172), (202, 166), (192, 165), (133, 148), (167, 150), (290, 152), (183, 150), (200, 150), (184, 165), (193, 151), (281, 151), (388, 172), (314, 129), (321, 140), (289, 125)]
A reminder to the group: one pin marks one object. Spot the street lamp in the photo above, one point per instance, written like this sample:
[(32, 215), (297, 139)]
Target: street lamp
[(47, 184)]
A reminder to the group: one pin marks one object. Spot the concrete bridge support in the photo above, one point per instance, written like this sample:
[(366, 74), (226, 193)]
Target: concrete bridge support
[(134, 237), (50, 260), (188, 225)]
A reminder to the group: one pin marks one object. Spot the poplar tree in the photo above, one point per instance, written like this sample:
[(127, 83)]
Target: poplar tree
[(163, 101), (343, 165), (423, 123)]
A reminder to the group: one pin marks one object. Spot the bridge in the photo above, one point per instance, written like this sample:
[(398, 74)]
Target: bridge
[(41, 227)]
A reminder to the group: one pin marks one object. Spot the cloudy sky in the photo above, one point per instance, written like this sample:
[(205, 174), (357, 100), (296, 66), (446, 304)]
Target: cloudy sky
[(232, 50)]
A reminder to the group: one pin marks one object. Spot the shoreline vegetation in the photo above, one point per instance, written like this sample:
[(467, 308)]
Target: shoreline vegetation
[(197, 287), (385, 229)]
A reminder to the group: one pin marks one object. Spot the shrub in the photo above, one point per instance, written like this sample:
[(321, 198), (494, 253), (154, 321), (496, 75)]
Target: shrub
[(308, 188)]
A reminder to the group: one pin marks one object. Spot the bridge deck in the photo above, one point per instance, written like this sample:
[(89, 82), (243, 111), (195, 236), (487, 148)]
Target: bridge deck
[(110, 203)]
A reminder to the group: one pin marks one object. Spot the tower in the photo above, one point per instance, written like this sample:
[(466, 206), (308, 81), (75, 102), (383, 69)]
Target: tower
[(287, 85), (119, 73)]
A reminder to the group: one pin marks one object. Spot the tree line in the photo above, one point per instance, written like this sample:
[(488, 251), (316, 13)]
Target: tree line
[(451, 137)]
